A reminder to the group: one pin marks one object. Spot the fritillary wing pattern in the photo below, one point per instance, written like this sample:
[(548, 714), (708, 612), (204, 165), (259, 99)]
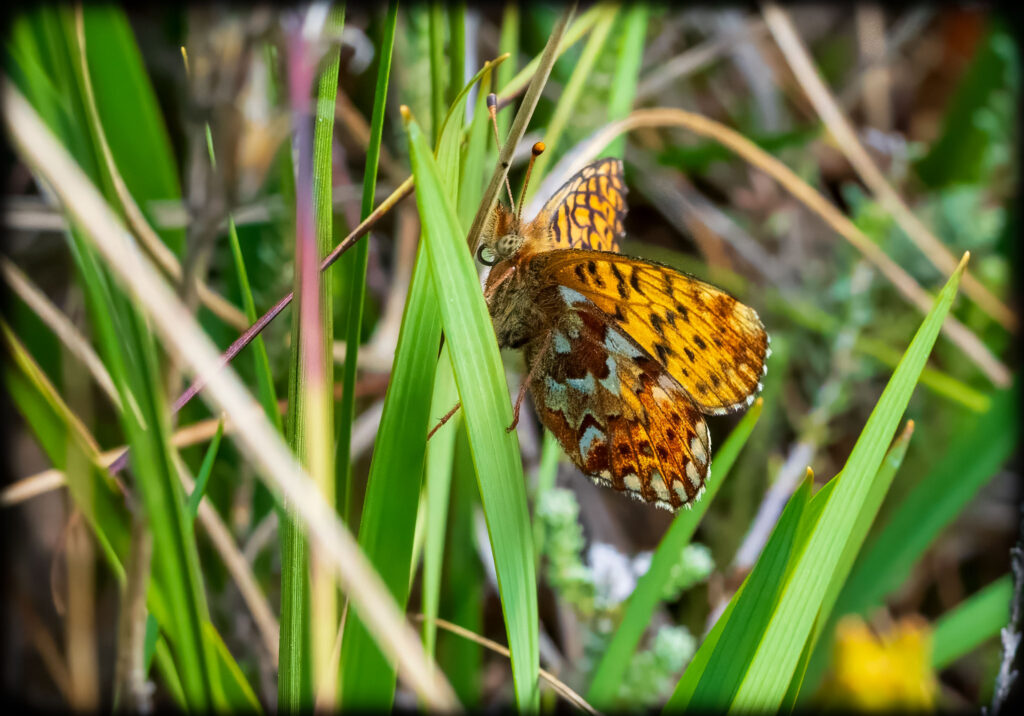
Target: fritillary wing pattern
[(615, 410), (711, 344), (588, 210)]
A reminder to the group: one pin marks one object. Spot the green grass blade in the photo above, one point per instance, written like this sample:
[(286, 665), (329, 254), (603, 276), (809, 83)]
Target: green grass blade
[(576, 30), (508, 42), (627, 71), (488, 412), (386, 531), (456, 48), (130, 114), (261, 362), (649, 588), (971, 461), (440, 463), (435, 15), (979, 618), (728, 643), (308, 595), (203, 476), (94, 493), (462, 601), (235, 692), (766, 678), (825, 623), (353, 267), (393, 487), (56, 428)]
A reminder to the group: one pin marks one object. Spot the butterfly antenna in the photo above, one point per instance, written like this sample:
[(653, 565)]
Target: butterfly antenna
[(538, 149), (492, 110)]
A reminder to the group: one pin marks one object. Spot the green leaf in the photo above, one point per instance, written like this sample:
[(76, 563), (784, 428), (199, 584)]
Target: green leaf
[(766, 678), (353, 267), (484, 395), (386, 531), (979, 618), (203, 476), (728, 646)]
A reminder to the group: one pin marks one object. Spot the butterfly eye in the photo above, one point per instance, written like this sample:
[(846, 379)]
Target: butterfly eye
[(488, 259)]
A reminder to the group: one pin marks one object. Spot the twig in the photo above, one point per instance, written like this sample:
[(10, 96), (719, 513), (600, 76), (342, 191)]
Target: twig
[(263, 321), (1010, 635), (846, 139), (957, 332), (132, 691), (61, 326), (559, 686)]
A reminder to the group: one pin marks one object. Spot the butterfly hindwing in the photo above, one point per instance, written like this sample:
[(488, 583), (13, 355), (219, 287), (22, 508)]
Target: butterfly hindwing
[(617, 413), (711, 344), (587, 212)]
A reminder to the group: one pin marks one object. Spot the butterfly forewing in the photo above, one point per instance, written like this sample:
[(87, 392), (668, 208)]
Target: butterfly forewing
[(616, 411), (588, 210), (711, 344)]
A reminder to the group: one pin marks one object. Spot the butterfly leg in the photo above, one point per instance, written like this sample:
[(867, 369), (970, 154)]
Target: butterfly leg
[(447, 416), (537, 362)]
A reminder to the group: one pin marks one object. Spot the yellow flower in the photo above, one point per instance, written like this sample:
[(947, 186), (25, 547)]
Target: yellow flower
[(887, 670)]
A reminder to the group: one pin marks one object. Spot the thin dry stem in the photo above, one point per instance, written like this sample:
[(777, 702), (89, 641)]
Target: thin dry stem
[(61, 326), (846, 139), (557, 684)]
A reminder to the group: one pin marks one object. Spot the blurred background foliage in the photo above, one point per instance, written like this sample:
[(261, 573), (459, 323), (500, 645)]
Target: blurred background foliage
[(933, 92)]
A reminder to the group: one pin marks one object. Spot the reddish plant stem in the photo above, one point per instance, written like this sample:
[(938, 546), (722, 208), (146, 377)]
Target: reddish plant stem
[(263, 321)]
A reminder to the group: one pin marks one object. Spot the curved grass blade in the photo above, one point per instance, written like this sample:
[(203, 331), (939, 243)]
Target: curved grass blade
[(728, 644), (487, 411), (766, 678), (386, 530), (203, 476)]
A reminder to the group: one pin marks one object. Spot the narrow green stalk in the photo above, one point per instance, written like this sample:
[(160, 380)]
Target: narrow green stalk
[(437, 90), (508, 42), (354, 266), (456, 49), (309, 595), (633, 31)]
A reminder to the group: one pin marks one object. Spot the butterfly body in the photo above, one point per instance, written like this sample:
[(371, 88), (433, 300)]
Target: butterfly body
[(624, 355)]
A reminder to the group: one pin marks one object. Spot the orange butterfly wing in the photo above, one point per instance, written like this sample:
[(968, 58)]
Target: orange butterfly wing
[(588, 210), (616, 411), (711, 344)]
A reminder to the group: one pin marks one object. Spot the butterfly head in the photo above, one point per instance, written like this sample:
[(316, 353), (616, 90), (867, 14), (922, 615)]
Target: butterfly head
[(503, 235), (501, 238)]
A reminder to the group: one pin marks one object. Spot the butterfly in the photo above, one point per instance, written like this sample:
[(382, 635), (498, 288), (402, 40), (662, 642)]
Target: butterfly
[(625, 356)]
